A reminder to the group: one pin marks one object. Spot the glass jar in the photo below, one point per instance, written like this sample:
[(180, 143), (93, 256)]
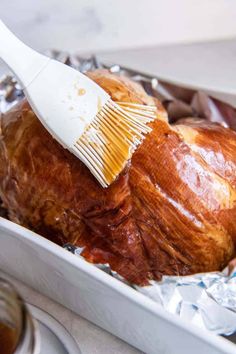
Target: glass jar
[(18, 333)]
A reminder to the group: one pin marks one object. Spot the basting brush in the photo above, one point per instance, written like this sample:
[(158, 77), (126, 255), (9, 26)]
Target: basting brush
[(78, 113)]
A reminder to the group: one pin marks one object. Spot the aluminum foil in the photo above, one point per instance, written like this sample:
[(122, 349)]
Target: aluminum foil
[(207, 300)]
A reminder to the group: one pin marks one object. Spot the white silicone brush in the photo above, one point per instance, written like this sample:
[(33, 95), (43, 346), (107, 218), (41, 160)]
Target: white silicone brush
[(77, 112)]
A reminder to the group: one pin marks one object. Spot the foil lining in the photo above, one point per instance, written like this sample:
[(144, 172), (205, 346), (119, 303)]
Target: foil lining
[(207, 300)]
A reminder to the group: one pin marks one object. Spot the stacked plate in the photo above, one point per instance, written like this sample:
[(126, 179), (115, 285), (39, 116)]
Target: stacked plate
[(54, 338)]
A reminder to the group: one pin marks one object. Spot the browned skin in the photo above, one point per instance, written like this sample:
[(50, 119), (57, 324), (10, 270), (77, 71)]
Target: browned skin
[(172, 211)]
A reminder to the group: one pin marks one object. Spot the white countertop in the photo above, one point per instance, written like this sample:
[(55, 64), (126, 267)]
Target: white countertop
[(86, 25)]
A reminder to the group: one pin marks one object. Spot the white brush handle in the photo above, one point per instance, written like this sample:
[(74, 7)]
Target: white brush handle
[(22, 60)]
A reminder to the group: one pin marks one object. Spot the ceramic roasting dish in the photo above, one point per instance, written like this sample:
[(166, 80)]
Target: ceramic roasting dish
[(98, 297)]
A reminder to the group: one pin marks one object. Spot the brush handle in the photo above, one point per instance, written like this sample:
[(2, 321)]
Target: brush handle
[(21, 59)]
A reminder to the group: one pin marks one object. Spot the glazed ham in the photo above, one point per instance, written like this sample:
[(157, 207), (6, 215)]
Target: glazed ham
[(171, 211)]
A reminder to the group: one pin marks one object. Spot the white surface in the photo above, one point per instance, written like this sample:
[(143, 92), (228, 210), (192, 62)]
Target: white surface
[(100, 298), (92, 25)]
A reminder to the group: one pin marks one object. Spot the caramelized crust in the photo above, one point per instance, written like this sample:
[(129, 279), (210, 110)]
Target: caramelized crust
[(172, 211)]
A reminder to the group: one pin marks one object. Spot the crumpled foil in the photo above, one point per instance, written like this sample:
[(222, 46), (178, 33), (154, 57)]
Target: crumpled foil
[(207, 300)]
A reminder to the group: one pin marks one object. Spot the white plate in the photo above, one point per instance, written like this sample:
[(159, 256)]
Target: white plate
[(54, 338), (98, 297)]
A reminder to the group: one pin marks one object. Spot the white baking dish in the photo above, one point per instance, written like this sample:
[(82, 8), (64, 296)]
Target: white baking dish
[(98, 297)]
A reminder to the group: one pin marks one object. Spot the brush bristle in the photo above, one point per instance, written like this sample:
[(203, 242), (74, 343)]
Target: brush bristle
[(110, 140)]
